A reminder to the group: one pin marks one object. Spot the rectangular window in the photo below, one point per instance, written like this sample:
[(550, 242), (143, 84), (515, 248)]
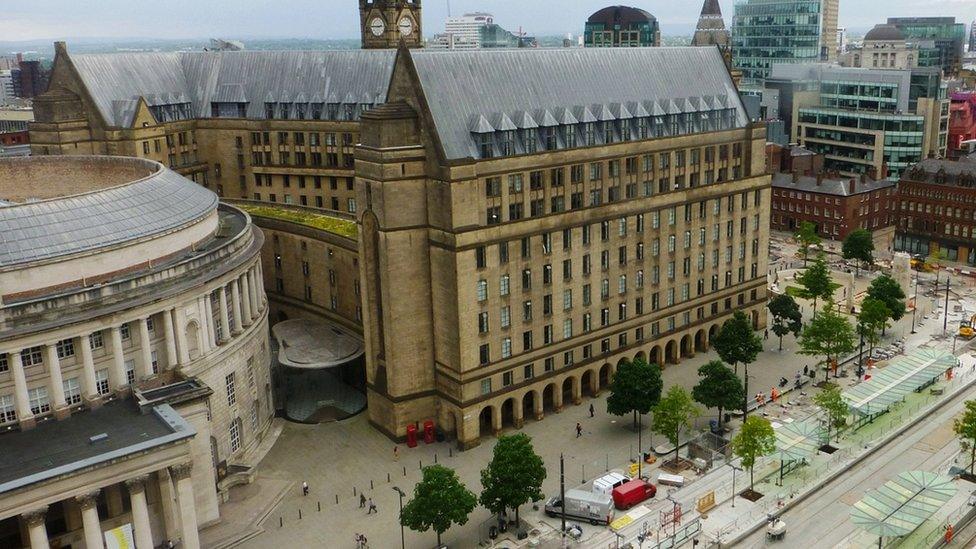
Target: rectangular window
[(506, 316), (72, 391), (32, 356), (231, 391), (506, 347), (101, 382), (486, 386), (482, 290), (235, 435), (7, 411), (130, 371), (95, 340), (66, 348), (39, 402)]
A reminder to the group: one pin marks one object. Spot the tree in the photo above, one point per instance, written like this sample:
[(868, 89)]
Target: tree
[(735, 342), (514, 475), (816, 283), (719, 387), (636, 387), (807, 236), (755, 439), (859, 246), (673, 413), (872, 320), (888, 291), (830, 401), (787, 318), (965, 427), (829, 335), (439, 500)]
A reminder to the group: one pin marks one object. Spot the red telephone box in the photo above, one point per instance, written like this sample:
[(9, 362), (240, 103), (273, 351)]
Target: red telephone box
[(412, 435), (428, 431)]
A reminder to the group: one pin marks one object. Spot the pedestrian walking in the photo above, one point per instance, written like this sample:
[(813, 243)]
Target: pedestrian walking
[(579, 430), (766, 334), (362, 500), (592, 412), (372, 507), (304, 488), (396, 453)]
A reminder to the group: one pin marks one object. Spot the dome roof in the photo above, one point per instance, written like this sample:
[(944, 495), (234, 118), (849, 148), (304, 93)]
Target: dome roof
[(621, 15), (884, 32)]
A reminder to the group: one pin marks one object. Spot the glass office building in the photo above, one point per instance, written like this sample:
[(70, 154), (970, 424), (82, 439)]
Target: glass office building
[(766, 32), (940, 40)]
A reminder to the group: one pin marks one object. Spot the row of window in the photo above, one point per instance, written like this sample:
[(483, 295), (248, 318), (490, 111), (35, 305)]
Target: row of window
[(34, 356), (314, 139), (333, 204)]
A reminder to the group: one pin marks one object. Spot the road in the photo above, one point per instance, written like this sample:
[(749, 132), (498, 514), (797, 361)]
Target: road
[(823, 519)]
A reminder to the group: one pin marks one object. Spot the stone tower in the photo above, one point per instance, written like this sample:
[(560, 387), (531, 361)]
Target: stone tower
[(711, 29), (384, 23)]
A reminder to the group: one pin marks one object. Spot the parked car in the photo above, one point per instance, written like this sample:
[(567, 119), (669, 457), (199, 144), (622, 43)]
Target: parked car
[(631, 493), (582, 505), (606, 483)]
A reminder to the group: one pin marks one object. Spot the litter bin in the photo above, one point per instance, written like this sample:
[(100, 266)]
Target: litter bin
[(412, 435), (428, 431)]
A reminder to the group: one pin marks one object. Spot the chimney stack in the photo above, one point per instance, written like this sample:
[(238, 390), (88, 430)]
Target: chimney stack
[(853, 186), (796, 176), (820, 177)]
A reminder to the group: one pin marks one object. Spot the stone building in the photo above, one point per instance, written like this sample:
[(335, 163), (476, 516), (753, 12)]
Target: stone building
[(133, 351), (621, 27), (884, 46), (655, 188), (385, 23), (938, 209)]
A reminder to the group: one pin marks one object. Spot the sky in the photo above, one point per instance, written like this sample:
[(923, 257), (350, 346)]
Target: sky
[(323, 19)]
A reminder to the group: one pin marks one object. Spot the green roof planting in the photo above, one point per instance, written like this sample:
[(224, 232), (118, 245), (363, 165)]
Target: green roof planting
[(307, 217)]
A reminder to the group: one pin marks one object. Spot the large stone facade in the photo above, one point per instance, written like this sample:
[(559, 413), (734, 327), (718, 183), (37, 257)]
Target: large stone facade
[(158, 293)]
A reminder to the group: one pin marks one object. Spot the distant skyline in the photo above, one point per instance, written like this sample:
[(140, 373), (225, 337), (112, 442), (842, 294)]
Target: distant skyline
[(338, 19)]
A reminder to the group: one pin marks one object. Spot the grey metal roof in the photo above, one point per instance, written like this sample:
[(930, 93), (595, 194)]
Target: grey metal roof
[(55, 448), (116, 81), (828, 185), (461, 85), (41, 230)]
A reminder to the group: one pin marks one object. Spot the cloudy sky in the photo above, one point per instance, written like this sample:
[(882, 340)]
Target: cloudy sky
[(51, 19)]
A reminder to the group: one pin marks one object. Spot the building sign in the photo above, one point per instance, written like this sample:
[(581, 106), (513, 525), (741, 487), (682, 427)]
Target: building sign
[(120, 538)]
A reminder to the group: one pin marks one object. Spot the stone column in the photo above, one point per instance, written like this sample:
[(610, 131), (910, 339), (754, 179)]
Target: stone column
[(538, 406), (140, 512), (167, 497), (259, 283), (188, 512), (172, 359), (21, 399), (56, 385), (89, 386), (89, 519), (496, 420), (181, 343), (210, 341), (252, 279), (223, 317), (36, 528), (247, 317), (517, 413), (235, 300), (145, 348), (117, 374)]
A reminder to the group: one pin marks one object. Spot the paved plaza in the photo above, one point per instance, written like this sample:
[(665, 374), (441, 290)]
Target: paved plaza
[(342, 460)]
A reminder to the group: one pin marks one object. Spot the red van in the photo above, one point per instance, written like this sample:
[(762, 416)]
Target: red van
[(631, 493)]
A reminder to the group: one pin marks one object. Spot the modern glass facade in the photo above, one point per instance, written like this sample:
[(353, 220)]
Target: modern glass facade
[(940, 40), (781, 31)]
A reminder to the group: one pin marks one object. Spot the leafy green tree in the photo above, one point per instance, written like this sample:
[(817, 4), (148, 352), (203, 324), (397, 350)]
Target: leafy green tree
[(888, 291), (872, 320), (828, 335), (756, 438), (830, 401), (514, 475), (718, 387), (673, 413), (807, 236), (439, 500), (787, 318), (965, 427), (735, 342), (816, 283), (636, 388), (859, 246)]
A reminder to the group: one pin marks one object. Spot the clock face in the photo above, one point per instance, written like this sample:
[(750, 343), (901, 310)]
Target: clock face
[(377, 26), (406, 26)]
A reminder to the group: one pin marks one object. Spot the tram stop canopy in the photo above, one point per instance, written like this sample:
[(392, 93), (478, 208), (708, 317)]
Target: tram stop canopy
[(891, 383), (799, 440), (903, 503)]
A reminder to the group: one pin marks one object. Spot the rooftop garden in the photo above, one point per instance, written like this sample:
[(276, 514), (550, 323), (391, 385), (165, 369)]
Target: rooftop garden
[(335, 225)]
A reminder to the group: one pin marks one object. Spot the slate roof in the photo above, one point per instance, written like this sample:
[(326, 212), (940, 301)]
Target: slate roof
[(116, 81), (835, 187), (56, 448), (46, 229), (463, 86)]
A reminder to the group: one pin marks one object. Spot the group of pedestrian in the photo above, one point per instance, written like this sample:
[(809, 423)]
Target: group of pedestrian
[(361, 542)]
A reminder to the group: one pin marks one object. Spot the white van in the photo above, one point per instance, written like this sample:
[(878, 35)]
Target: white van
[(605, 484), (582, 505)]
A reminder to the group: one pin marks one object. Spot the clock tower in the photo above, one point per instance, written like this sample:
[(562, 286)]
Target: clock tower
[(385, 22)]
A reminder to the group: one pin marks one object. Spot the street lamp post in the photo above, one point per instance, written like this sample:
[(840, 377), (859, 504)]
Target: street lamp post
[(403, 542), (640, 447), (915, 308), (945, 322), (734, 469)]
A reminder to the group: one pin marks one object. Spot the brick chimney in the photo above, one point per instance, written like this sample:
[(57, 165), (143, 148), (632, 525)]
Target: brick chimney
[(796, 176), (853, 186), (820, 177)]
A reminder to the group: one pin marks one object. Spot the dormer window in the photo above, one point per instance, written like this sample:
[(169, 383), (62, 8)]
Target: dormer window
[(485, 143), (589, 133), (316, 111), (530, 140), (269, 110), (569, 136)]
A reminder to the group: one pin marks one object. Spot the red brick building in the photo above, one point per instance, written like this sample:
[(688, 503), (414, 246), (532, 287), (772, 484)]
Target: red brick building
[(937, 209), (14, 138), (962, 123)]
